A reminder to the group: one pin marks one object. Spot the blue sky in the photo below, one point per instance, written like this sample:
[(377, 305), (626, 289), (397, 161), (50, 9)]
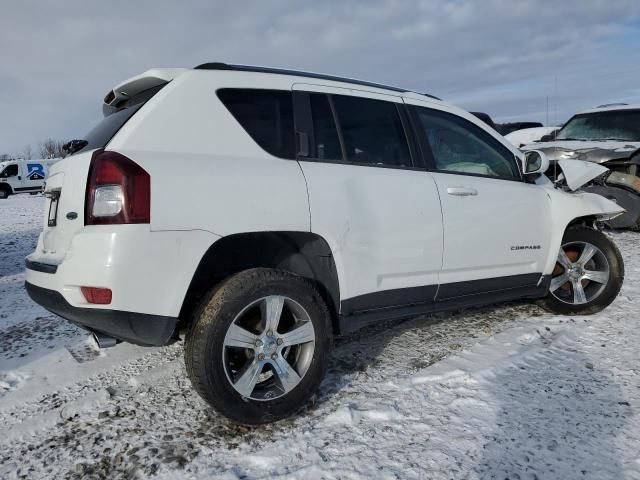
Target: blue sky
[(502, 57)]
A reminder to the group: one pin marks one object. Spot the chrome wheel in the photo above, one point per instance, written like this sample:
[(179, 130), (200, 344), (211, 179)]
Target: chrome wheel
[(581, 273), (268, 348)]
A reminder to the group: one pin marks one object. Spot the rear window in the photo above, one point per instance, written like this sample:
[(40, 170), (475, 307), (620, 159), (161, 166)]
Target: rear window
[(266, 115), (372, 131), (327, 146), (99, 136), (104, 131)]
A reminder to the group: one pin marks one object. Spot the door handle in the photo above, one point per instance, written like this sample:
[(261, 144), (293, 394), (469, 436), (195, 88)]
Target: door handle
[(462, 191)]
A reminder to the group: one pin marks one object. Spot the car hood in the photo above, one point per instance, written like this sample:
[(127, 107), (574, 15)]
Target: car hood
[(589, 151)]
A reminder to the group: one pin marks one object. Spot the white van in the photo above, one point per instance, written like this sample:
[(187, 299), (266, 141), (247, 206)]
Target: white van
[(23, 176)]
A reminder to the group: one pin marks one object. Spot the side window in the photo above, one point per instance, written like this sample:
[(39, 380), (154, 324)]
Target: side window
[(266, 115), (327, 142), (458, 145), (10, 171), (372, 131)]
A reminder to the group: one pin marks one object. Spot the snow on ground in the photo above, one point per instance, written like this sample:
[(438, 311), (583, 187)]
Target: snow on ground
[(501, 392)]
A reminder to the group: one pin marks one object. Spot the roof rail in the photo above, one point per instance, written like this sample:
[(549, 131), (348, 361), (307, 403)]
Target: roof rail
[(612, 105), (298, 73)]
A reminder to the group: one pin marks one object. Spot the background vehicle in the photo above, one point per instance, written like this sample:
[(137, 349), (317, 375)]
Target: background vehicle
[(320, 205), (486, 118), (610, 136), (523, 137), (23, 176), (506, 128)]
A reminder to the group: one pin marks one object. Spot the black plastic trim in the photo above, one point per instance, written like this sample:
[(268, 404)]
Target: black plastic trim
[(27, 189), (137, 328), (298, 73), (448, 291), (40, 267), (389, 299), (353, 319)]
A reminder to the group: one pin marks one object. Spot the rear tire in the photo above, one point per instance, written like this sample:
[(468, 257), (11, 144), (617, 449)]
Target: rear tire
[(241, 355), (588, 275)]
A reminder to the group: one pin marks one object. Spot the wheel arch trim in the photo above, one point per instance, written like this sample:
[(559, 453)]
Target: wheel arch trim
[(302, 253)]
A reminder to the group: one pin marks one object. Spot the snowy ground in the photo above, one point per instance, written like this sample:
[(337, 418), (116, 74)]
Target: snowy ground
[(503, 392)]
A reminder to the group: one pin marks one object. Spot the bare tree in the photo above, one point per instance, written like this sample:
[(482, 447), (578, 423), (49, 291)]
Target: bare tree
[(4, 157), (52, 149), (27, 152)]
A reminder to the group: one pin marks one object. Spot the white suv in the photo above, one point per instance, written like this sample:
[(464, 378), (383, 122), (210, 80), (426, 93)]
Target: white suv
[(264, 211)]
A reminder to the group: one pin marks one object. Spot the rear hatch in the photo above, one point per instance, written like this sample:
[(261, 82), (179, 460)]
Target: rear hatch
[(66, 185)]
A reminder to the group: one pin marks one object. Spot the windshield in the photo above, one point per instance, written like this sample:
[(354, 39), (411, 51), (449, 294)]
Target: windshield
[(623, 125)]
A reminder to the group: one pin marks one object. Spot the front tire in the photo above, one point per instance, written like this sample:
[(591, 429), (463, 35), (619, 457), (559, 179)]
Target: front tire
[(4, 193), (588, 274), (259, 345)]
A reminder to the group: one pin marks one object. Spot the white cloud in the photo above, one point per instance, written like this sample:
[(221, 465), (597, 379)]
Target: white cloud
[(499, 56)]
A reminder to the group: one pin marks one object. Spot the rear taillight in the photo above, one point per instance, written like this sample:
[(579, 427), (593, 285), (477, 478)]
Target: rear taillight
[(118, 191)]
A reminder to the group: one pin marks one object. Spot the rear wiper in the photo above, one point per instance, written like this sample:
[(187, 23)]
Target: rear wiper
[(74, 145)]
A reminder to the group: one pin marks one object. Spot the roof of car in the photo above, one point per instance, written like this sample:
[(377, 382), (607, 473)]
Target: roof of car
[(612, 107), (297, 73)]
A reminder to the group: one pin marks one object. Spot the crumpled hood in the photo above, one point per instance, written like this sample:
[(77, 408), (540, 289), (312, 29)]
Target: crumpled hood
[(589, 151)]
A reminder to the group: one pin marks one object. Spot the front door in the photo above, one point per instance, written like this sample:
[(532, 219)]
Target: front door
[(496, 226)]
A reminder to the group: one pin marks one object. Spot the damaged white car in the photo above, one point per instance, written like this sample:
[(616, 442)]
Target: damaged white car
[(610, 136), (256, 213)]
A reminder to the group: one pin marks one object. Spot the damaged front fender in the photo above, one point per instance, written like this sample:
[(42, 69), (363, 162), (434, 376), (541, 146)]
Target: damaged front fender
[(569, 207), (578, 172)]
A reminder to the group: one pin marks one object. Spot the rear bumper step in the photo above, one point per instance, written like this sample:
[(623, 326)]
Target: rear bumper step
[(137, 328)]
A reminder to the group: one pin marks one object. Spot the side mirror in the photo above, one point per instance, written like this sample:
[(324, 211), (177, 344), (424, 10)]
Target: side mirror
[(535, 161)]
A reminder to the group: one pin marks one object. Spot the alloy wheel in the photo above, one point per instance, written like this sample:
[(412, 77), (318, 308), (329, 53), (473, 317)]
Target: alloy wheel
[(268, 348), (581, 273)]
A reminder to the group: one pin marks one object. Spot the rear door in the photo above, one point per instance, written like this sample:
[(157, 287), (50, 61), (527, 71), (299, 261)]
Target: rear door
[(496, 226), (378, 211)]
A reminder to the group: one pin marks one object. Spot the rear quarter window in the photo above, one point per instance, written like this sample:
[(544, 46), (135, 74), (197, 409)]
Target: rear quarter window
[(266, 115)]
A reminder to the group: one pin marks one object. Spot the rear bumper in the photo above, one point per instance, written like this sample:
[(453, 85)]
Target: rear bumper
[(148, 272), (138, 328)]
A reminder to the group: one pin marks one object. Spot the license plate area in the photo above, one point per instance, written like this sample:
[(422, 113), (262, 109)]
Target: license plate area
[(54, 197)]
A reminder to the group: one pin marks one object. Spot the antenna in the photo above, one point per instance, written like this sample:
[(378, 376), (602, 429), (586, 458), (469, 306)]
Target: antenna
[(547, 121), (555, 132), (555, 101)]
